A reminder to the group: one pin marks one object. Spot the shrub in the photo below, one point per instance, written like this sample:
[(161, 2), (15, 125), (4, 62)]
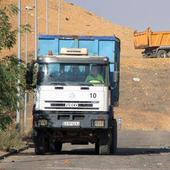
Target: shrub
[(10, 73), (10, 139)]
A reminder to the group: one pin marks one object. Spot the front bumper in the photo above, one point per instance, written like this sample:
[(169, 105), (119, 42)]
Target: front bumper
[(67, 120)]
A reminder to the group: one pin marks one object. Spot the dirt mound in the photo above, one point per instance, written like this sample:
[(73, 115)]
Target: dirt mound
[(73, 21), (145, 83), (145, 94)]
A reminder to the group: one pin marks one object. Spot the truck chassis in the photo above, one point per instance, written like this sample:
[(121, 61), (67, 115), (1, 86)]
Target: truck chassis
[(51, 139)]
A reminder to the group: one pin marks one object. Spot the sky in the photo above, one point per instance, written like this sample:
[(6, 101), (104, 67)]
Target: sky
[(136, 14)]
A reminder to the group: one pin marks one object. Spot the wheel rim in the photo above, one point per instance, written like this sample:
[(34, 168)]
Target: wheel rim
[(162, 54)]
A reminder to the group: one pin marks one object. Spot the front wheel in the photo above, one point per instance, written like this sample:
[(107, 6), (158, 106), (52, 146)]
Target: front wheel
[(168, 54), (102, 146), (58, 147), (55, 147), (40, 144)]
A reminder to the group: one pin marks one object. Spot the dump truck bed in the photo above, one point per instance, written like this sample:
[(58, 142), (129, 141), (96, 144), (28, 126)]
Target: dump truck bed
[(149, 39)]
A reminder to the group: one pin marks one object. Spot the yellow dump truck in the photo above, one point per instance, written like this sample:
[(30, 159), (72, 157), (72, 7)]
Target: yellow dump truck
[(155, 44)]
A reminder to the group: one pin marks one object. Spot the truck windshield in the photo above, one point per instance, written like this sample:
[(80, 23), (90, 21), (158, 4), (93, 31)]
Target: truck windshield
[(72, 74)]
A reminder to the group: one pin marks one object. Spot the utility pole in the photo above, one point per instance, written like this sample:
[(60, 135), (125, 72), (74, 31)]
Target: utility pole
[(19, 62), (58, 16), (46, 16), (27, 8), (36, 29)]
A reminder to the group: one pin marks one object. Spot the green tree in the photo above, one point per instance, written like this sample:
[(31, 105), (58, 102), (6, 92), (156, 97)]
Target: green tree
[(7, 32), (10, 71)]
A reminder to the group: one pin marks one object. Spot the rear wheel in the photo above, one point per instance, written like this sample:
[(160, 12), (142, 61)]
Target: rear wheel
[(162, 54), (113, 148)]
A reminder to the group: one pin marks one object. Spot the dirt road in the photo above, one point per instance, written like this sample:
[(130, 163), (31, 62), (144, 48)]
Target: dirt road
[(137, 150)]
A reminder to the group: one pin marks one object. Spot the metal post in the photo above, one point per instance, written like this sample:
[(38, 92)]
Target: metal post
[(36, 28), (58, 16), (46, 16), (26, 38), (26, 61), (25, 111), (19, 31), (19, 60), (28, 8)]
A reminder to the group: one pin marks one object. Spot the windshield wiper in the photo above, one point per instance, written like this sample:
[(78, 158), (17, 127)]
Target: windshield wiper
[(58, 83), (86, 84)]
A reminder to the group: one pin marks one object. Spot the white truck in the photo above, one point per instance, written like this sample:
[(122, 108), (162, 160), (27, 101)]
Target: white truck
[(69, 106)]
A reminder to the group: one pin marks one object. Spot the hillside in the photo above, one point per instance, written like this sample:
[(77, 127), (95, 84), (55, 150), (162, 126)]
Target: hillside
[(74, 21), (145, 83), (145, 93)]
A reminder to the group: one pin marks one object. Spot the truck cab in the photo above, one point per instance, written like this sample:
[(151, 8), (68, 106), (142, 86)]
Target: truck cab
[(74, 100)]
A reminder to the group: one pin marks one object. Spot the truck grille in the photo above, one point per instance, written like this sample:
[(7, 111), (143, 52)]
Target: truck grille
[(74, 105)]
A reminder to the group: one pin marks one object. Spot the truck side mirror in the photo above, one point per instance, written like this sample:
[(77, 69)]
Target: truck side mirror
[(111, 88), (116, 76)]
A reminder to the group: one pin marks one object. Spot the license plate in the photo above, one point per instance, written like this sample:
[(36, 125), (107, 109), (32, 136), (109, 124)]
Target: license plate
[(71, 105), (71, 124)]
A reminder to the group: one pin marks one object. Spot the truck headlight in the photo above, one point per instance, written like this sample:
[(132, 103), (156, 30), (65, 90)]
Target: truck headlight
[(98, 123), (42, 122)]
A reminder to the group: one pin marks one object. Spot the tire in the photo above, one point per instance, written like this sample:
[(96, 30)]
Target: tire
[(113, 148), (168, 54), (104, 145), (58, 147), (162, 54), (55, 147), (40, 146), (97, 147)]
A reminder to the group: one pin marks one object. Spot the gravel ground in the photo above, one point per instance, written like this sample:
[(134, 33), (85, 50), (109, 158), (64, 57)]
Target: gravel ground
[(137, 150)]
